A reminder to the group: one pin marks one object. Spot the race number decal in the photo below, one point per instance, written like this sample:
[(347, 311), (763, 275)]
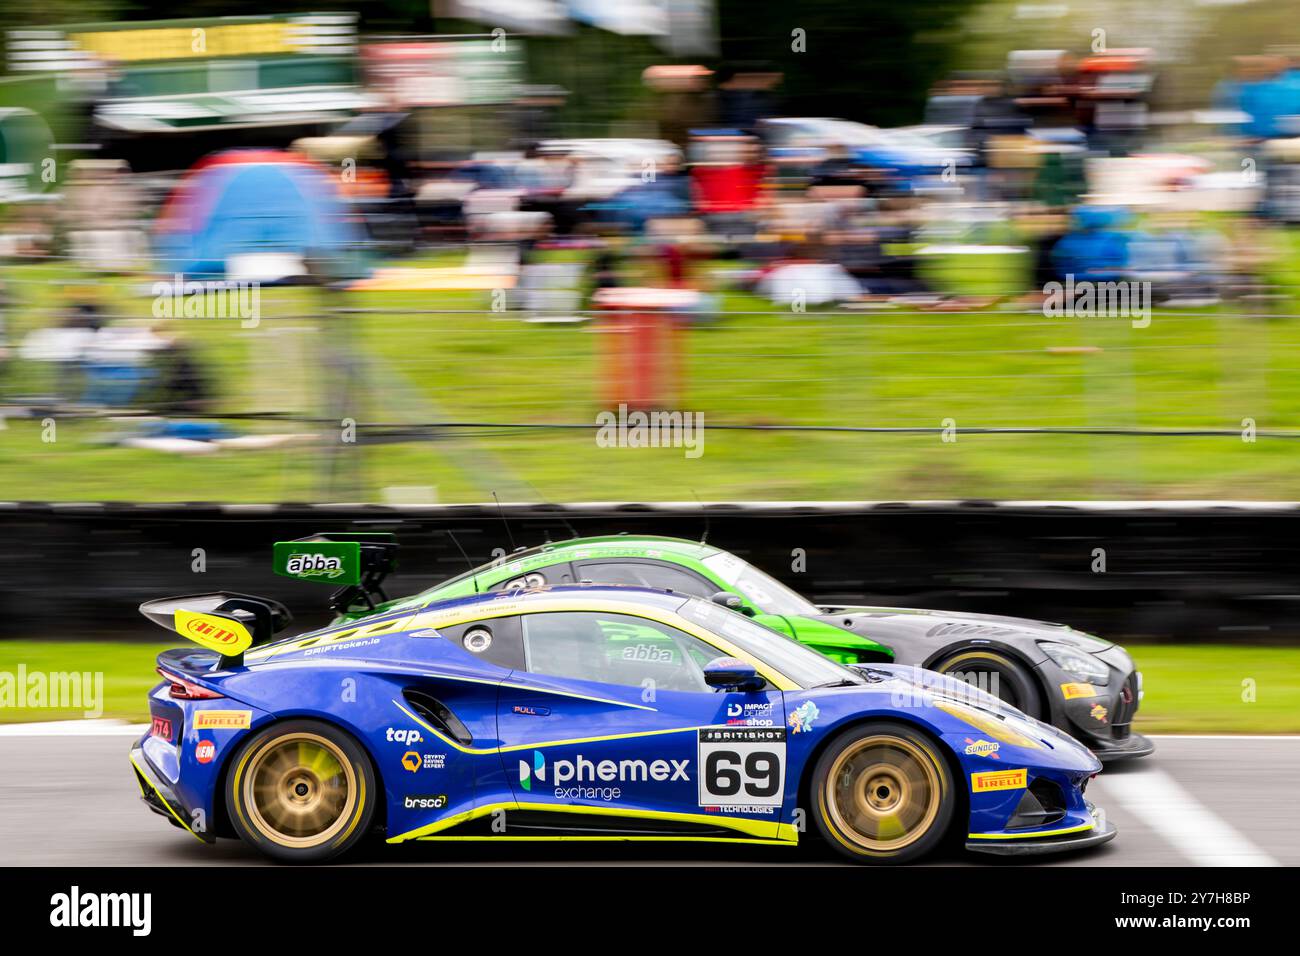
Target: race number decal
[(742, 766)]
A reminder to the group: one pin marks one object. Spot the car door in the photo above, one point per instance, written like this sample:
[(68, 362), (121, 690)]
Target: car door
[(612, 718)]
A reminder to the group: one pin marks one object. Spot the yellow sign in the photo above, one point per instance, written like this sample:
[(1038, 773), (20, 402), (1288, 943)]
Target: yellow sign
[(1075, 691), (223, 719), (999, 780), (212, 631), (184, 42)]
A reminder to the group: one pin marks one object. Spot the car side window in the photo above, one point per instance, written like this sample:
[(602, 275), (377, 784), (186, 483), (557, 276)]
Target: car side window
[(647, 574), (496, 640), (615, 649), (537, 578)]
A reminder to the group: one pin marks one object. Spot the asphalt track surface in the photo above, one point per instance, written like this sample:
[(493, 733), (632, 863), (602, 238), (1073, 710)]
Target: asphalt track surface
[(1198, 801)]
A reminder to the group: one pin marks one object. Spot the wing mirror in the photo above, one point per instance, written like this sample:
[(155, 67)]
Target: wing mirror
[(731, 673), (732, 602)]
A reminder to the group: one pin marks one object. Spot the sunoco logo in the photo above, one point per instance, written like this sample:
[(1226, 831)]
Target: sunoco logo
[(314, 566)]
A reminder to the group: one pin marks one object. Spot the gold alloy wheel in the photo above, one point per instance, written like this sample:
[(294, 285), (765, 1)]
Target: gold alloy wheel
[(883, 793), (300, 790)]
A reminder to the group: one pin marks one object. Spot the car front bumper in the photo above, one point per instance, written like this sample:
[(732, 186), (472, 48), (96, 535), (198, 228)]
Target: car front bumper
[(1103, 831)]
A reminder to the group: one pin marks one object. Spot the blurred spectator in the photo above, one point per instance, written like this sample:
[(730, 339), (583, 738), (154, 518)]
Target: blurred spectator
[(181, 388), (685, 99), (1096, 247), (746, 98)]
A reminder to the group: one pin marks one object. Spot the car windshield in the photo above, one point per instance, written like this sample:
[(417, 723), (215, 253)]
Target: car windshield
[(766, 593), (801, 664)]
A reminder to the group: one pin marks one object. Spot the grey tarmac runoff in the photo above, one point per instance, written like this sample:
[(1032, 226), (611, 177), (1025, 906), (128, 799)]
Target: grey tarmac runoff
[(67, 797)]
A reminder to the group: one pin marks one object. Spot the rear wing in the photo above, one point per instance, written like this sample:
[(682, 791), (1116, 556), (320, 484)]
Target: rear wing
[(221, 621), (356, 562)]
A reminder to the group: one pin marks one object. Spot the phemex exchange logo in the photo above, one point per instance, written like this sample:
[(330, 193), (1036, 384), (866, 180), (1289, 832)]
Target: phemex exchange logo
[(538, 770)]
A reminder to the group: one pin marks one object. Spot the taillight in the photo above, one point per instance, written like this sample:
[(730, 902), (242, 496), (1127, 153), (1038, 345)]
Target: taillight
[(181, 689)]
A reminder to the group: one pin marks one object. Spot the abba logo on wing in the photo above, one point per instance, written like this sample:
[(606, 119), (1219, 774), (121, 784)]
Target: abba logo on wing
[(314, 565)]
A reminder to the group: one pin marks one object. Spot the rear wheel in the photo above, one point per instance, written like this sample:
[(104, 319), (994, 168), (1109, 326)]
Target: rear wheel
[(997, 674), (882, 793), (301, 791)]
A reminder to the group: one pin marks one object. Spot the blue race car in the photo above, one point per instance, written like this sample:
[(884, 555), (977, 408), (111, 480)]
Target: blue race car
[(608, 713)]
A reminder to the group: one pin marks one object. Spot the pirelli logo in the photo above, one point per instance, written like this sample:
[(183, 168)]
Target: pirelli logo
[(1075, 691), (223, 719), (999, 780)]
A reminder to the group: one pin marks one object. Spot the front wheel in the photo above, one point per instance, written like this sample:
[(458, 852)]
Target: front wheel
[(997, 674), (301, 791), (882, 793)]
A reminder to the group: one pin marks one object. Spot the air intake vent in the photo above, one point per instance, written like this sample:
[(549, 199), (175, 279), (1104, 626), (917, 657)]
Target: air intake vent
[(968, 630), (1042, 804), (437, 715)]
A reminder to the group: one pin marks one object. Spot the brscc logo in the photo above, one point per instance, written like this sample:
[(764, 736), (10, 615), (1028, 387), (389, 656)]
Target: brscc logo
[(431, 801)]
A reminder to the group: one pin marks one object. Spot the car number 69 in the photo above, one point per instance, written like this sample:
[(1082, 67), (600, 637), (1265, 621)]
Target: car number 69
[(742, 766)]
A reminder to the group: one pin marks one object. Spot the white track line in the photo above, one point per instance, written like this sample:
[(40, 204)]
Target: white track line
[(1166, 808), (74, 728)]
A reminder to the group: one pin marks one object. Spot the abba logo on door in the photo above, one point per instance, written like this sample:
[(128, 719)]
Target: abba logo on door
[(742, 766)]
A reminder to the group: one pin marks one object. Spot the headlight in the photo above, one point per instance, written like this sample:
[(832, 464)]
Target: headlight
[(999, 728), (1077, 664)]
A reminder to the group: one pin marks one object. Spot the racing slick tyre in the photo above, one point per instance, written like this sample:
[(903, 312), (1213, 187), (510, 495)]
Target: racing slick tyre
[(301, 791), (999, 674), (882, 793)]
